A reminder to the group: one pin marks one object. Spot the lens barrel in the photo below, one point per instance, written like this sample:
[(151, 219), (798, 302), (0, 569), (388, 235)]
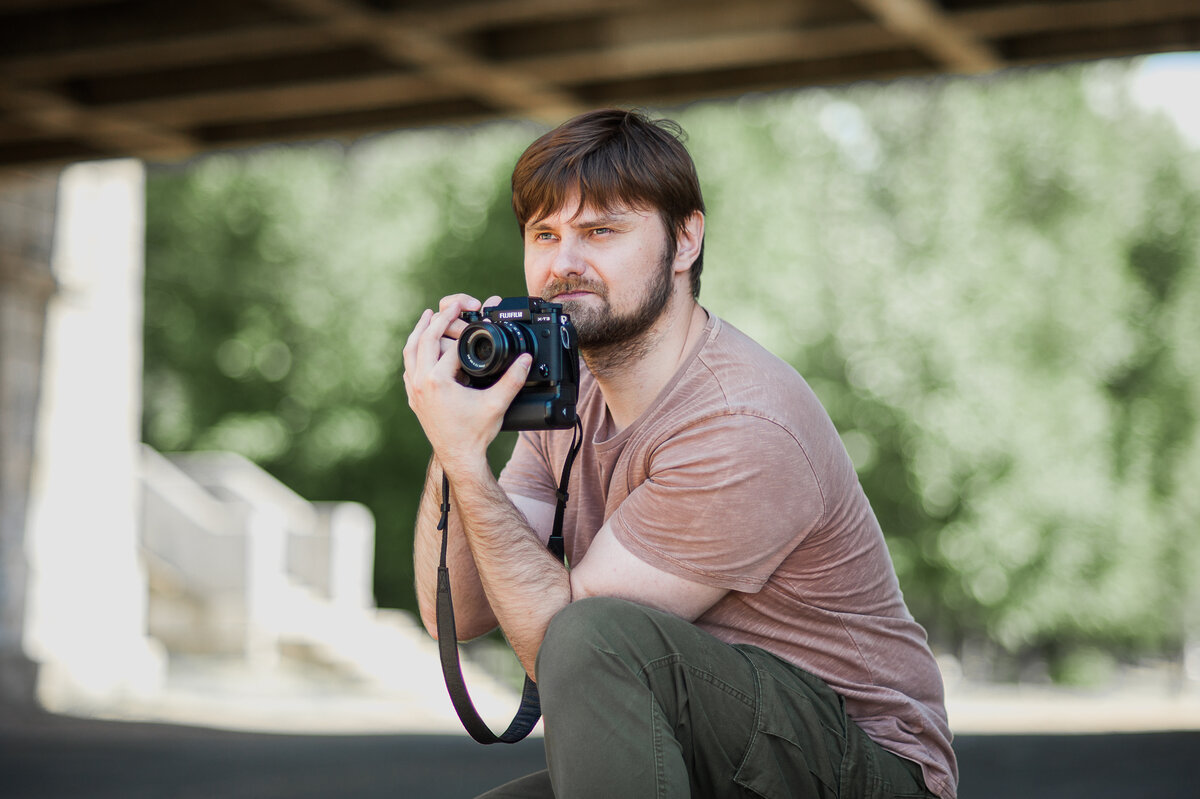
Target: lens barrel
[(487, 349)]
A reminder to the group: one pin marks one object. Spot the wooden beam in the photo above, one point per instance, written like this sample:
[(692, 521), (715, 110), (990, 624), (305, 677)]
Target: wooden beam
[(281, 38), (293, 37), (928, 26), (1024, 19), (506, 90), (504, 87), (182, 51), (24, 6), (280, 102), (286, 38), (60, 101), (668, 57), (348, 125), (58, 117), (463, 17), (662, 58), (688, 87), (1092, 43)]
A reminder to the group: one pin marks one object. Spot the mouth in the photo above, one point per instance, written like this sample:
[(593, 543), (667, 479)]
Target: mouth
[(569, 294)]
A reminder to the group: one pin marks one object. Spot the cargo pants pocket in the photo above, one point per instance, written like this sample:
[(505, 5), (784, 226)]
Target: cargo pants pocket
[(789, 754)]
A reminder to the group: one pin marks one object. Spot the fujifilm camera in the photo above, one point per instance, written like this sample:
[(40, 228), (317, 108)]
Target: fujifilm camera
[(493, 339)]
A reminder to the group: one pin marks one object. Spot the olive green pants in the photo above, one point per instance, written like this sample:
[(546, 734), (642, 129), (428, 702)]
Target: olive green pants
[(641, 704)]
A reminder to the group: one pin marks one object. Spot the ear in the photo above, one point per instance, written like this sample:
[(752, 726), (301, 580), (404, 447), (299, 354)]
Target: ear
[(688, 242)]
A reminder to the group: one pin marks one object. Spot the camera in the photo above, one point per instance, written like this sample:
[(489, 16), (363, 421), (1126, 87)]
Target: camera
[(493, 339)]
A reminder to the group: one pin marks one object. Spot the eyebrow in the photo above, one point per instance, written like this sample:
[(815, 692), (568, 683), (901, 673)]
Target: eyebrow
[(582, 222)]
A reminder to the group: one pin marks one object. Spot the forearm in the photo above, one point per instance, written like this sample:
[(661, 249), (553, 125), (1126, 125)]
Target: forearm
[(503, 572), (524, 583), (472, 614)]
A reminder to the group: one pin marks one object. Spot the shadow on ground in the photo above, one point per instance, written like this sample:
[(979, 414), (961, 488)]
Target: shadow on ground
[(53, 757)]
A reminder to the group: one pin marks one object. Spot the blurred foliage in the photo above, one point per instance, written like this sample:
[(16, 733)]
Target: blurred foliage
[(992, 284), (280, 288)]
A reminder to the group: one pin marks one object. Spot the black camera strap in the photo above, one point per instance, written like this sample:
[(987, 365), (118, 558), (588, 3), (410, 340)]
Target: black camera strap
[(531, 709)]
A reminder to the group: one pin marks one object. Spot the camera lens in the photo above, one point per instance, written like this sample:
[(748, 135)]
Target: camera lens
[(486, 349), (482, 349)]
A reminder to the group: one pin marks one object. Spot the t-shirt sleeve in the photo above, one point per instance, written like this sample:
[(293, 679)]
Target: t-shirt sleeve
[(528, 472), (724, 502)]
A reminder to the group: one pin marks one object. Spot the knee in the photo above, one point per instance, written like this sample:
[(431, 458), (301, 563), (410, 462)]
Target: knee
[(580, 631)]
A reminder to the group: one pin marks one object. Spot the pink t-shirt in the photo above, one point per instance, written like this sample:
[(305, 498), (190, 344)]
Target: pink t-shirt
[(735, 477)]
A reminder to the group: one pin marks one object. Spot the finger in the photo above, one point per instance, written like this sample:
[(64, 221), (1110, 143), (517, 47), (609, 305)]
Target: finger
[(455, 328), (458, 303), (428, 347), (410, 345), (448, 364), (418, 328), (464, 302), (447, 320)]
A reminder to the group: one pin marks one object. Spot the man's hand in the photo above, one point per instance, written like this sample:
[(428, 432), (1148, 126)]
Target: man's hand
[(460, 422)]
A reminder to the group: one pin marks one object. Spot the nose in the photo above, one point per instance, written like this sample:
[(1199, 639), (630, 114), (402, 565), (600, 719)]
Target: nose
[(568, 261)]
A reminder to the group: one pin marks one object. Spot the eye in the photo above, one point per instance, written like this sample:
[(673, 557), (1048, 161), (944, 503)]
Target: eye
[(602, 231), (543, 236)]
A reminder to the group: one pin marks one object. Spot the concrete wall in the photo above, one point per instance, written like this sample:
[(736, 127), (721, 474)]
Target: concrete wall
[(93, 528), (74, 595), (27, 204), (86, 615)]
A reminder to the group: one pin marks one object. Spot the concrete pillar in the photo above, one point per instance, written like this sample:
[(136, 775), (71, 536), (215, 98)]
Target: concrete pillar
[(85, 617), (27, 202)]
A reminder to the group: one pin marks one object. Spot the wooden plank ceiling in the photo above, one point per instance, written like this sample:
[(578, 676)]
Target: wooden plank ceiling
[(164, 79)]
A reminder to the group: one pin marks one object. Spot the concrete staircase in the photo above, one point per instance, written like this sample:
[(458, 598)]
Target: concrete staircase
[(263, 602)]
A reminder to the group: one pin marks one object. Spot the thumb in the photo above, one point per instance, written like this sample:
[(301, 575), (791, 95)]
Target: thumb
[(514, 379)]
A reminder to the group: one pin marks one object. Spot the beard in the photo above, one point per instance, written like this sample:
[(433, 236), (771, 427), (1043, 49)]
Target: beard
[(607, 339)]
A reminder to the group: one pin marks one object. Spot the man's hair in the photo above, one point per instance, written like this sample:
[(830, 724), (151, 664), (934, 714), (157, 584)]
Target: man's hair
[(614, 158)]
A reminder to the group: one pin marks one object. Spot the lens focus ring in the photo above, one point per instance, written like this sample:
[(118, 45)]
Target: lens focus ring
[(486, 349)]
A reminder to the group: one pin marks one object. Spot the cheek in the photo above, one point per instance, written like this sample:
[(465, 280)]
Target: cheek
[(535, 276)]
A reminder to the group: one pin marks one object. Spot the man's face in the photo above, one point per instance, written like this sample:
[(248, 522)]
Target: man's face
[(610, 270)]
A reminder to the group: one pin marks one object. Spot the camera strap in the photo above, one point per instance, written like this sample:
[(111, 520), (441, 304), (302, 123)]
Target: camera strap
[(530, 709)]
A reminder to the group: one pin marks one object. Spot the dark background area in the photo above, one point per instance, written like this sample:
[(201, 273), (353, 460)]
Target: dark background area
[(52, 757)]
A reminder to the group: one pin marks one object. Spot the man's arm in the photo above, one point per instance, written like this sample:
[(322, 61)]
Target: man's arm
[(472, 613), (525, 585), (516, 581), (612, 570)]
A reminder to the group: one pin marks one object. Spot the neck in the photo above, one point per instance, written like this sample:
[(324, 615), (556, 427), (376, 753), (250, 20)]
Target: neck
[(632, 375)]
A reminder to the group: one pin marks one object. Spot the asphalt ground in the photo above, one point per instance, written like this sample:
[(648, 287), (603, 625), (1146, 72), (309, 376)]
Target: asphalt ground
[(43, 756)]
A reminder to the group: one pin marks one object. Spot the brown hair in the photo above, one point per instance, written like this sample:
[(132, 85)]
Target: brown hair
[(613, 158)]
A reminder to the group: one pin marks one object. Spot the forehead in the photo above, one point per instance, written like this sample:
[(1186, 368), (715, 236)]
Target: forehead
[(575, 212)]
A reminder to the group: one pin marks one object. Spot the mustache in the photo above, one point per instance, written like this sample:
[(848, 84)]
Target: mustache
[(564, 286)]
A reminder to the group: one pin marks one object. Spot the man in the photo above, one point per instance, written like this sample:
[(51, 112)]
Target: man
[(731, 624)]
